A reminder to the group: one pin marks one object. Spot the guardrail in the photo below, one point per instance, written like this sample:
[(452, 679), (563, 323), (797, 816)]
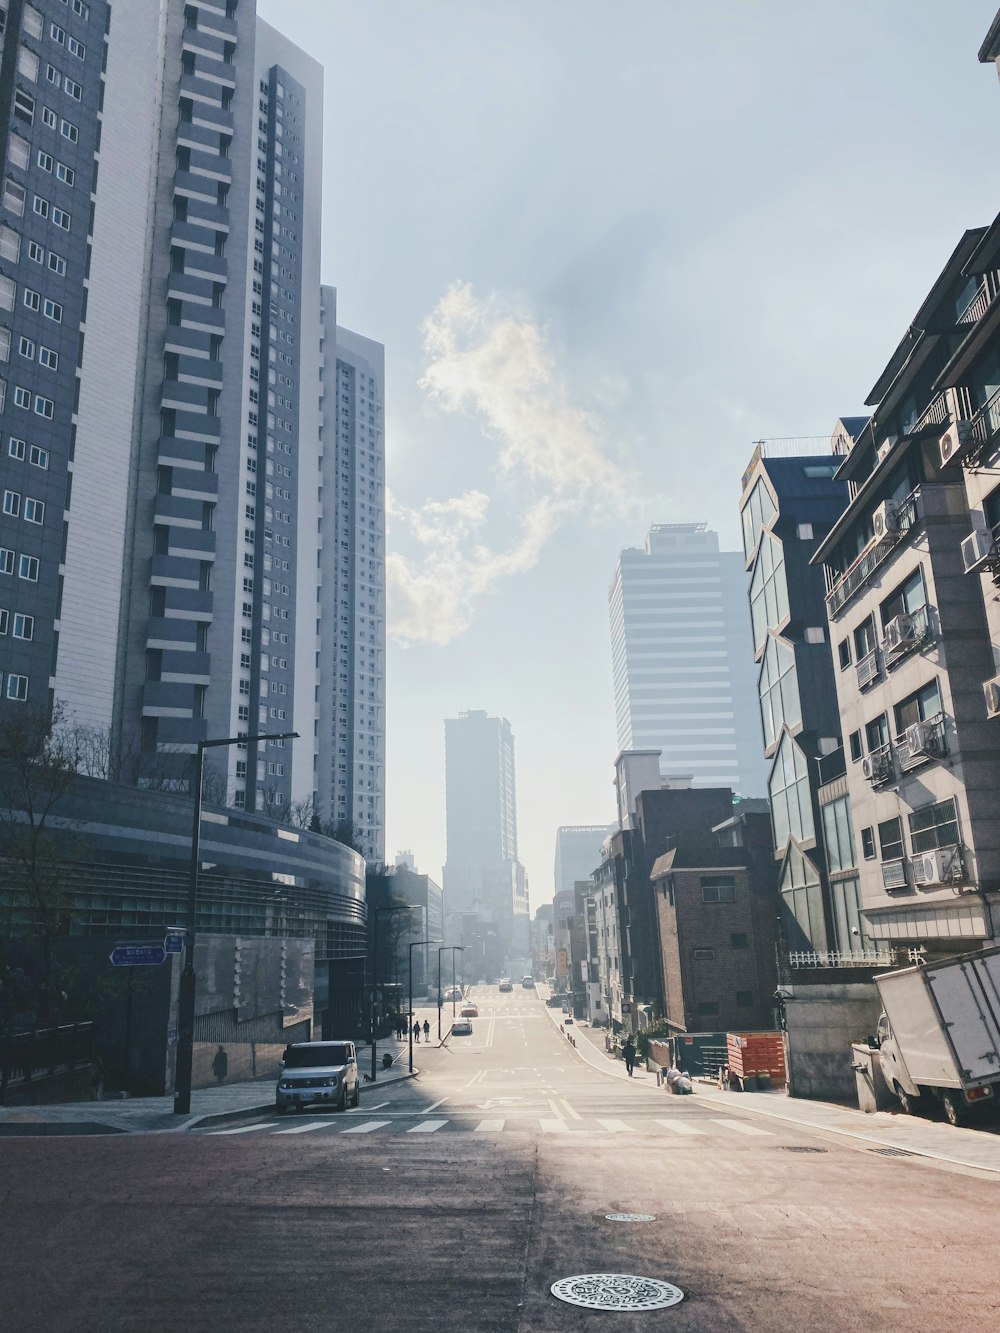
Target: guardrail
[(26, 1056)]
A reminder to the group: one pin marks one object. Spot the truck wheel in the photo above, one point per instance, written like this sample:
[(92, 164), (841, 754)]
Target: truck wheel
[(953, 1108), (906, 1101)]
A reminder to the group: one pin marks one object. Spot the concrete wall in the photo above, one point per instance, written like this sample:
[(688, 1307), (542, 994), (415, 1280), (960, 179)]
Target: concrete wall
[(820, 1024)]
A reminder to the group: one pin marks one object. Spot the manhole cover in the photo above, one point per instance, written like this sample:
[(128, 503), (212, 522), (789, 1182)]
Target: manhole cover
[(616, 1291), (796, 1148), (630, 1217), (891, 1152)]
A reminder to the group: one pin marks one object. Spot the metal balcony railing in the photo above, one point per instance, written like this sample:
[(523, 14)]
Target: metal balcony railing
[(838, 958), (868, 669), (880, 768), (907, 637), (984, 427), (862, 569), (981, 302), (921, 743)]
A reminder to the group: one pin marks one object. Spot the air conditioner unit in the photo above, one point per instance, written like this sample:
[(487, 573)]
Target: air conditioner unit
[(955, 441), (991, 689), (875, 766), (977, 550), (922, 738), (936, 867), (885, 520), (900, 631)]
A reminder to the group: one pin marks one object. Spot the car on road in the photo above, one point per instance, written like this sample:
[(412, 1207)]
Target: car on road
[(528, 982), (506, 984), (452, 993), (318, 1073), (469, 1011), (461, 1028)]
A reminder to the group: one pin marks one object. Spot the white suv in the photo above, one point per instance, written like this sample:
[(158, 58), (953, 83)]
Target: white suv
[(318, 1073)]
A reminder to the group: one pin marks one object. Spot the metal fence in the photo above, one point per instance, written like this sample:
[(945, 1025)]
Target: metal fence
[(26, 1056)]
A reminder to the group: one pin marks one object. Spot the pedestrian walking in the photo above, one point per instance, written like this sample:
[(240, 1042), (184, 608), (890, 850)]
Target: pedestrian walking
[(416, 1030), (628, 1052), (427, 1030)]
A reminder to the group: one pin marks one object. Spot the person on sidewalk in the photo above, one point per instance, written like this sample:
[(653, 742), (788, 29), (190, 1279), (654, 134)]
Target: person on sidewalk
[(416, 1030), (427, 1030), (628, 1054)]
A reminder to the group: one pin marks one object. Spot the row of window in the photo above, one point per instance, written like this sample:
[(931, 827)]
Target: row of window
[(930, 827), (920, 706), (34, 510), (63, 38), (19, 626), (31, 299), (36, 456), (10, 249), (27, 565), (24, 109), (909, 597), (17, 688)]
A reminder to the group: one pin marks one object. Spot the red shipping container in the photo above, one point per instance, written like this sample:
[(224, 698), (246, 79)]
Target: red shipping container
[(753, 1053)]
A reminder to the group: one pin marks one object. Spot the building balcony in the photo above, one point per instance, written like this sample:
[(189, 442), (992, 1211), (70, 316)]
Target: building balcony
[(921, 743), (197, 426), (191, 544), (904, 634), (174, 452), (214, 215), (166, 699), (192, 485), (171, 634), (868, 669), (187, 604), (976, 309), (172, 511), (878, 766), (186, 668), (199, 371), (896, 523), (190, 288), (168, 571)]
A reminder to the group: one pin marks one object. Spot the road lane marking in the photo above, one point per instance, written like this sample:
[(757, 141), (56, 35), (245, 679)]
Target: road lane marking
[(427, 1127), (367, 1110), (554, 1126), (243, 1129), (367, 1127), (740, 1127), (555, 1109), (614, 1126), (677, 1127), (434, 1107), (490, 1126), (575, 1114), (304, 1129)]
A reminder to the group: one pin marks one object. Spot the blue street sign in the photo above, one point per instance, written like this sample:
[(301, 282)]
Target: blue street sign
[(138, 955), (174, 944)]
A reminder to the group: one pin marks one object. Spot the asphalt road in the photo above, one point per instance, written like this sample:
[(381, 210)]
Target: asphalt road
[(453, 1202)]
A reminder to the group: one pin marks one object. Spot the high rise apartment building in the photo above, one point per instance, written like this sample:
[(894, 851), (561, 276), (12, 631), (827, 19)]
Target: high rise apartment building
[(578, 852), (164, 435), (482, 876), (350, 776), (683, 678)]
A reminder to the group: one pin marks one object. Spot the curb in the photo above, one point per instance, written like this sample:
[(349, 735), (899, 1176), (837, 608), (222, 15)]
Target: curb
[(221, 1117)]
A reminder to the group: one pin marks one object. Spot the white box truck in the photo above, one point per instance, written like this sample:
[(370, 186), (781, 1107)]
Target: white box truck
[(939, 1034)]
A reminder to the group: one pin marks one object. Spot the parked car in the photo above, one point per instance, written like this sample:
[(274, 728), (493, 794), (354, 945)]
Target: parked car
[(318, 1073), (469, 1011), (461, 1028)]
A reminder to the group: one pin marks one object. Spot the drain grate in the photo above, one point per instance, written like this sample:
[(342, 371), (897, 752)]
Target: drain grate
[(796, 1148), (891, 1152), (630, 1217), (616, 1291)]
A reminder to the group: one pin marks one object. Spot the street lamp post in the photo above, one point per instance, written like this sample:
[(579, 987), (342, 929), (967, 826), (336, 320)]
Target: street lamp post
[(379, 911), (185, 999), (444, 949), (415, 945)]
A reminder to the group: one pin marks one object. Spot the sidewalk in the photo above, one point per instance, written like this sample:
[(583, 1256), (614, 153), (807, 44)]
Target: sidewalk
[(977, 1149), (144, 1115)]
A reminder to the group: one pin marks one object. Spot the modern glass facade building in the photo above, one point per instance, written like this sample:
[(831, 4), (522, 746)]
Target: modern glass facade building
[(683, 679)]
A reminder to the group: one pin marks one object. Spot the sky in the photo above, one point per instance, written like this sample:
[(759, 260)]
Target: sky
[(607, 248)]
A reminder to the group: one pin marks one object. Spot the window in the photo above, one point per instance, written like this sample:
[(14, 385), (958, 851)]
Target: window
[(7, 291), (27, 64), (19, 152), (24, 626), (815, 634), (934, 826), (10, 244), (32, 21), (73, 88), (791, 800), (49, 118), (44, 160), (69, 131), (6, 560), (61, 218), (57, 264), (890, 839), (22, 396), (27, 568), (864, 639), (44, 407), (48, 358), (919, 707), (24, 106), (66, 174), (53, 75), (12, 503), (4, 620), (739, 940), (34, 510), (13, 197), (36, 252), (58, 34), (804, 532), (76, 48), (37, 456), (16, 448), (4, 344), (768, 589), (837, 835), (744, 999), (718, 889), (81, 9), (779, 689), (909, 597), (17, 688), (26, 348), (868, 844), (52, 310), (31, 299)]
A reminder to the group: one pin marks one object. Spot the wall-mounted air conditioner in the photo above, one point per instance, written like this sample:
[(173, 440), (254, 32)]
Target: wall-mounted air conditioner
[(877, 766), (978, 549), (991, 689), (955, 441), (940, 866), (923, 738), (899, 632), (885, 520)]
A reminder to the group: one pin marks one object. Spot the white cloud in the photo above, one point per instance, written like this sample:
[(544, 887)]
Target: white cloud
[(495, 365)]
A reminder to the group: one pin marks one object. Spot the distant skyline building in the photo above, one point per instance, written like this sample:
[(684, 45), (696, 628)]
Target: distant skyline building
[(683, 672), (578, 852), (482, 874)]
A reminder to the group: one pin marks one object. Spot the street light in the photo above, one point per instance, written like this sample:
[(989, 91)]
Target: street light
[(185, 1000), (379, 911), (415, 945), (444, 949)]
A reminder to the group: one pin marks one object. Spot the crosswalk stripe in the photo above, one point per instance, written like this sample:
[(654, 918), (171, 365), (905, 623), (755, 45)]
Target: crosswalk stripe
[(740, 1127), (615, 1126), (367, 1127), (243, 1129), (304, 1129), (490, 1126), (427, 1127), (554, 1126), (678, 1127)]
